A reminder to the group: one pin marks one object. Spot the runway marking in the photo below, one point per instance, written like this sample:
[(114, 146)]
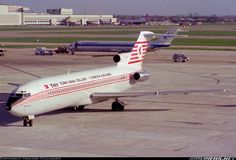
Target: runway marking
[(196, 75), (16, 69)]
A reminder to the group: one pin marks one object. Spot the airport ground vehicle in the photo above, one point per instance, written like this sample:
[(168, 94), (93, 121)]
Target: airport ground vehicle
[(62, 49), (43, 51), (179, 57), (2, 52)]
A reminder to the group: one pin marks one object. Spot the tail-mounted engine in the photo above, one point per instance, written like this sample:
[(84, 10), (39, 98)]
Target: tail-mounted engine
[(117, 58), (122, 58), (141, 76)]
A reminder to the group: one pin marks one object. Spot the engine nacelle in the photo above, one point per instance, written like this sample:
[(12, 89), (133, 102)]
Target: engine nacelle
[(141, 76), (122, 58), (117, 58)]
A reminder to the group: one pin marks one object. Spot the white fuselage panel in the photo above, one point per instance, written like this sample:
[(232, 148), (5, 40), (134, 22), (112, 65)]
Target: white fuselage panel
[(74, 89)]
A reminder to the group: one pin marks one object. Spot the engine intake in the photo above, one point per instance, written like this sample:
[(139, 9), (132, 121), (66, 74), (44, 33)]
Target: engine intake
[(141, 76), (116, 58)]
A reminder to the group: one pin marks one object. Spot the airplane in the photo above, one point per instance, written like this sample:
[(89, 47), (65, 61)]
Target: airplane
[(86, 87), (121, 47)]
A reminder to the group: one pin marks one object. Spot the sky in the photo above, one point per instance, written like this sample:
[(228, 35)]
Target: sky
[(133, 7)]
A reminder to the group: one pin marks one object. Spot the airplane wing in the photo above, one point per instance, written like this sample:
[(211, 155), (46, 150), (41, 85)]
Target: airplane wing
[(108, 95)]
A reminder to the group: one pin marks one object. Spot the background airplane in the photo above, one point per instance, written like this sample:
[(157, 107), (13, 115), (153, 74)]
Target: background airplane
[(164, 40)]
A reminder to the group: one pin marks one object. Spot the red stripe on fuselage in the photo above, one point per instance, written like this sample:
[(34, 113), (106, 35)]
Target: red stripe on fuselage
[(44, 94)]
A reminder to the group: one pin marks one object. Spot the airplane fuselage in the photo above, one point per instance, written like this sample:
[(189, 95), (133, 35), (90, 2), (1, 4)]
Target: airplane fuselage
[(48, 94), (164, 40), (119, 47)]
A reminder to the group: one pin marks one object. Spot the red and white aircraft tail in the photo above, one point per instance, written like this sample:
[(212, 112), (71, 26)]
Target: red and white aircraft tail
[(135, 58)]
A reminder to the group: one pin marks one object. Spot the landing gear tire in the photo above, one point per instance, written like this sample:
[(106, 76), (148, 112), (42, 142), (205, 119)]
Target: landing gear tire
[(79, 108), (114, 106), (30, 123), (27, 122), (117, 106)]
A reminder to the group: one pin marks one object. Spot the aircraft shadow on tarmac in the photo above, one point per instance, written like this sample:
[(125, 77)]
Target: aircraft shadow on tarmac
[(187, 103), (6, 119), (183, 103), (93, 110)]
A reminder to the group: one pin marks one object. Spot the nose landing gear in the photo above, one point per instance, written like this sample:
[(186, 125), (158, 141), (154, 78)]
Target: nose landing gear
[(28, 121)]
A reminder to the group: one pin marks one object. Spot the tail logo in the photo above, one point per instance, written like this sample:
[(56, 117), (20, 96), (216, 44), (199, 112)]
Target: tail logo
[(138, 52)]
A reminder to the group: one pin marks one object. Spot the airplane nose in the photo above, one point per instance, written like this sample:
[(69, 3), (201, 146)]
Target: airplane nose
[(8, 108)]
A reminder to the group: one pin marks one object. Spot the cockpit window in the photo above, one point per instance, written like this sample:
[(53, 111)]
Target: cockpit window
[(13, 98), (16, 96), (25, 95), (20, 95)]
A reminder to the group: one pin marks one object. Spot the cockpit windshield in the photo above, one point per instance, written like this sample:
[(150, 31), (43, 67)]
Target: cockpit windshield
[(20, 95), (15, 97)]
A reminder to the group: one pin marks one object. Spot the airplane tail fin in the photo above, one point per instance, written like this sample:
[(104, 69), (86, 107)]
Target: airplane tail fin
[(136, 56)]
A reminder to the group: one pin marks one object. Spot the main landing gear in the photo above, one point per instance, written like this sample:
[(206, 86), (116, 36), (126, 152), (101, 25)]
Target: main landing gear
[(118, 106), (79, 108), (28, 121)]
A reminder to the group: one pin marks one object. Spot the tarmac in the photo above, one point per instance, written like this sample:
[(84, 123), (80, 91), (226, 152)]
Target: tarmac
[(199, 124)]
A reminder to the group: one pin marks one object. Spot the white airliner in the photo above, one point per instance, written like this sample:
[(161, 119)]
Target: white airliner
[(84, 88)]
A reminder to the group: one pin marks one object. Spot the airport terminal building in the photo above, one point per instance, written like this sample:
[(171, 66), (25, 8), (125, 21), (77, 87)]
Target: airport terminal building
[(16, 15)]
